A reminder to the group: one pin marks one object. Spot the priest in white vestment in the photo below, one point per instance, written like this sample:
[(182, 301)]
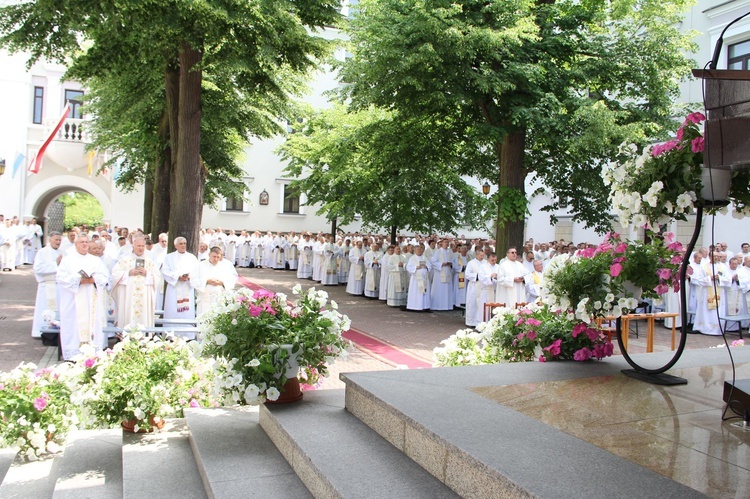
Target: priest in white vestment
[(344, 262), (135, 280), (385, 274), (398, 278), (460, 261), (214, 277), (441, 290), (701, 281), (356, 283), (329, 275), (490, 274), (231, 242), (534, 281), (732, 299), (473, 311), (32, 241), (511, 289), (291, 253), (81, 278), (419, 268), (373, 259), (45, 272), (178, 266), (304, 266)]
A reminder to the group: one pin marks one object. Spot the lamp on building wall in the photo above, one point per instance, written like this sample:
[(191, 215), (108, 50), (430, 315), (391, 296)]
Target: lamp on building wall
[(486, 188), (2, 167)]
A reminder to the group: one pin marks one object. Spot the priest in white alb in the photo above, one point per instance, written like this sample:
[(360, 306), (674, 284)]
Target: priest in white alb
[(178, 267), (418, 267), (135, 280), (511, 288), (81, 278), (214, 277), (45, 271)]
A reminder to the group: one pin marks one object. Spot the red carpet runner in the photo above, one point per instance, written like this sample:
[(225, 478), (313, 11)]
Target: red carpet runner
[(376, 347)]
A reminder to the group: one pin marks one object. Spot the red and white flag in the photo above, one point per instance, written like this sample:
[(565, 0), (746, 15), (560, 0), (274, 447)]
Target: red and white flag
[(36, 163)]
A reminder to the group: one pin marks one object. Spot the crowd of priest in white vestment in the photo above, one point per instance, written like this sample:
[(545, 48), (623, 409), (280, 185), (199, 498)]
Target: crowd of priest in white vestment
[(89, 277)]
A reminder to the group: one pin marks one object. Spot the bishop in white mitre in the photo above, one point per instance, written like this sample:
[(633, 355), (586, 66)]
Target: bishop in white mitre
[(81, 278)]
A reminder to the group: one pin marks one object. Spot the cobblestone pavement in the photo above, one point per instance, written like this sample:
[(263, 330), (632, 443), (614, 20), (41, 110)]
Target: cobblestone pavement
[(416, 333)]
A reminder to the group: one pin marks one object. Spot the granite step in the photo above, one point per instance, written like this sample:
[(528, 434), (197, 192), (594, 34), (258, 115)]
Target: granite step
[(91, 466), (236, 458), (482, 449), (31, 480), (160, 464), (7, 456), (338, 456)]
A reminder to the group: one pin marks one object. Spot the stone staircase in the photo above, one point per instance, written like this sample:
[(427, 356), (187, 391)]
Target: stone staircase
[(390, 434)]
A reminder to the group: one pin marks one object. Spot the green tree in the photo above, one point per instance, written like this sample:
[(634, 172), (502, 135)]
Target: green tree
[(253, 47), (81, 208), (540, 87), (367, 164)]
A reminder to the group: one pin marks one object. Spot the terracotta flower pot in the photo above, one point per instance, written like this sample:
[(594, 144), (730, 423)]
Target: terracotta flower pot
[(129, 425), (291, 393)]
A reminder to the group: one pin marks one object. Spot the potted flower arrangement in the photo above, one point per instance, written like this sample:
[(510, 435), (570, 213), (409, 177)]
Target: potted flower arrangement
[(261, 343), (141, 381), (609, 280), (535, 332), (36, 409), (664, 181)]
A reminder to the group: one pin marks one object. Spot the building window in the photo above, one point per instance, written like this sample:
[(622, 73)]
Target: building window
[(38, 105), (235, 203), (75, 99), (291, 199), (739, 55)]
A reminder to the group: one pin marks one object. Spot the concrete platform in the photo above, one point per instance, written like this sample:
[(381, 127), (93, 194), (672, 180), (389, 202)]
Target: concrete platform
[(337, 456), (507, 443), (91, 466)]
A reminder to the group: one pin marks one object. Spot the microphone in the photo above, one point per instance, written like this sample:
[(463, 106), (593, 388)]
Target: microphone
[(717, 48)]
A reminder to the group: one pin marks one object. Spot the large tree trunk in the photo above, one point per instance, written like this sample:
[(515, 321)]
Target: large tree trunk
[(186, 207), (512, 175), (164, 168), (394, 233), (148, 201)]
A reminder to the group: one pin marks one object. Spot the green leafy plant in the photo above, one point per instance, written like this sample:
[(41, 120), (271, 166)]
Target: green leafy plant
[(256, 336)]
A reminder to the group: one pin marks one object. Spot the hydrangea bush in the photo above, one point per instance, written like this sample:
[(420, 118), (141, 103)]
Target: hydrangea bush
[(254, 337)]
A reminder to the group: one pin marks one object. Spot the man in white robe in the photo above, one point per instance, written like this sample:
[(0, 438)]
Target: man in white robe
[(45, 272), (460, 261), (33, 241), (372, 273), (344, 262), (304, 266), (534, 281), (178, 266), (291, 251), (80, 280), (356, 283), (441, 290), (511, 289), (397, 278), (214, 277), (330, 264), (701, 280), (279, 250), (473, 311), (385, 274), (135, 280), (490, 274), (418, 268), (732, 299), (231, 242)]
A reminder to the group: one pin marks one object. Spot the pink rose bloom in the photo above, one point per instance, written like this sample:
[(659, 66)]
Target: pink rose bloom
[(588, 252), (520, 336), (40, 403), (533, 322), (697, 145), (676, 286), (604, 247), (664, 273), (680, 133), (89, 363), (615, 270), (582, 354), (525, 311), (531, 335)]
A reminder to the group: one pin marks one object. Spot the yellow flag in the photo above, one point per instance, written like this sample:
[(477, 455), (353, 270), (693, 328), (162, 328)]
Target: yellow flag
[(91, 161)]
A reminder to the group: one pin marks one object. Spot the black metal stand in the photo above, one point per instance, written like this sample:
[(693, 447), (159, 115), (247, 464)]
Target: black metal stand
[(657, 376)]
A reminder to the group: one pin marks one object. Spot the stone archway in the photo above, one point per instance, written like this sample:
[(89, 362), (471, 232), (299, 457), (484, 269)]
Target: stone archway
[(40, 199)]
